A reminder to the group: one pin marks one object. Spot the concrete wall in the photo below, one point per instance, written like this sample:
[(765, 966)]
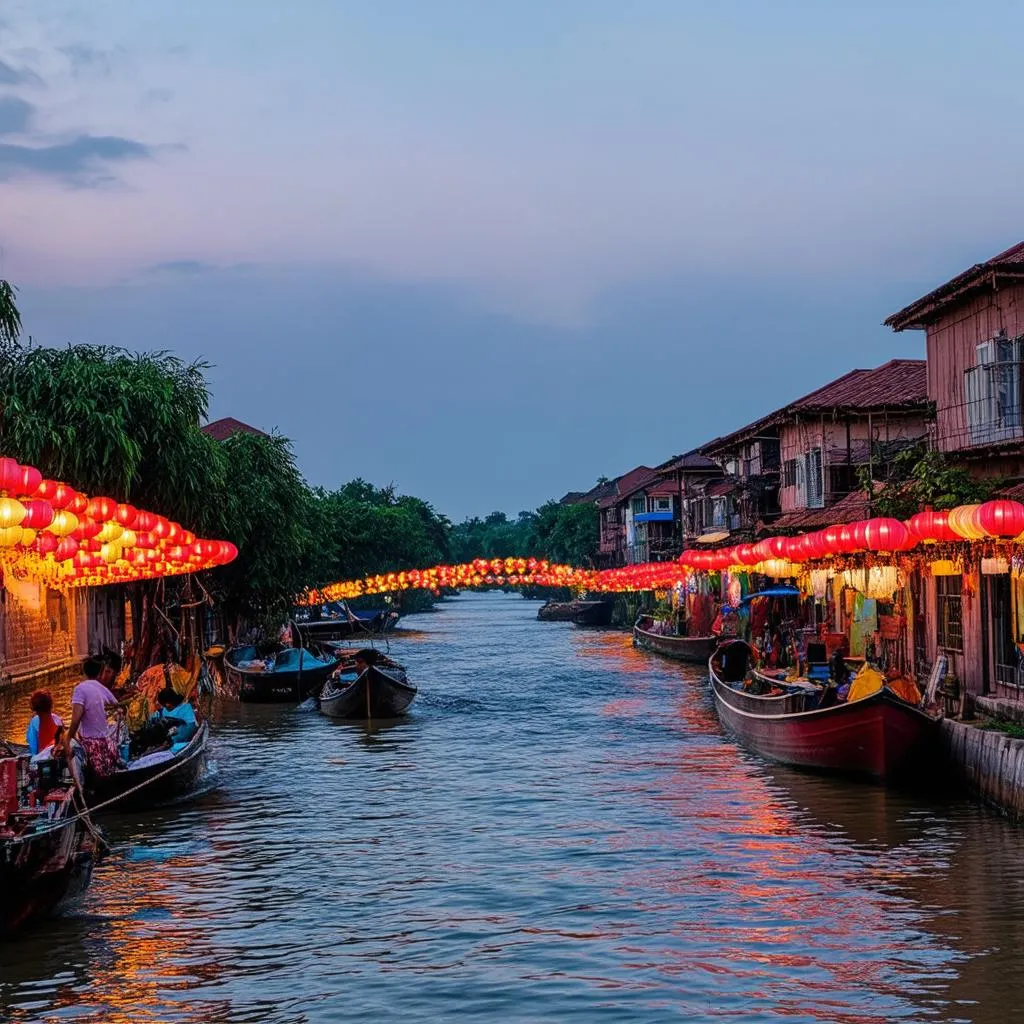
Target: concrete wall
[(989, 763)]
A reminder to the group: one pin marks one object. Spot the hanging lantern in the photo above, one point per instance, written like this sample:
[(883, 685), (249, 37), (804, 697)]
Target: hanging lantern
[(944, 567), (109, 531), (779, 568), (127, 516), (882, 582), (31, 478), (38, 514), (995, 566), (101, 509), (64, 523), (883, 534), (963, 522), (45, 544), (12, 512), (1001, 518), (67, 548), (77, 503), (10, 476), (931, 527), (831, 539), (110, 553), (10, 536)]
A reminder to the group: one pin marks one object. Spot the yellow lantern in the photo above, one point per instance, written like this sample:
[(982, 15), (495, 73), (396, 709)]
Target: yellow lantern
[(963, 523), (12, 512), (943, 567), (127, 539), (111, 531), (64, 523), (9, 535), (110, 553)]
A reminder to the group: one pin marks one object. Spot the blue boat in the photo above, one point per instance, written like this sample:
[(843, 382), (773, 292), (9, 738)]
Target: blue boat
[(283, 674)]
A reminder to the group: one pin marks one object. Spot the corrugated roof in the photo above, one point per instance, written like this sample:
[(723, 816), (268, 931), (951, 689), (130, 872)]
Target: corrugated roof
[(898, 383), (628, 483), (930, 307), (690, 461), (221, 430), (720, 487)]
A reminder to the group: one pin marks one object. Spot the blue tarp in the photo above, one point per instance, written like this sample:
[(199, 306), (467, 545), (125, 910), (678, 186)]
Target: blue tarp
[(653, 517), (772, 592)]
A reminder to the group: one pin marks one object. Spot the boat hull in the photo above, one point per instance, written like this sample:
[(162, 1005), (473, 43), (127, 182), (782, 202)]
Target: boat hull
[(377, 693), (879, 737), (693, 649), (593, 614), (557, 611), (43, 874), (161, 783), (259, 687)]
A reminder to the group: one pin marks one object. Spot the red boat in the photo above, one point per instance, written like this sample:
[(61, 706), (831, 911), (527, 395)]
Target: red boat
[(46, 850), (880, 737), (696, 649)]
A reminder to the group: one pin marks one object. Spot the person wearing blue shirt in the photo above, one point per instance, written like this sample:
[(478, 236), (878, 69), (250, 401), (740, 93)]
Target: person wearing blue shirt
[(173, 707), (45, 727)]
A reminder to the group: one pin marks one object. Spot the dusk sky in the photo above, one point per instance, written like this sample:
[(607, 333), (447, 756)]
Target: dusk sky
[(489, 251)]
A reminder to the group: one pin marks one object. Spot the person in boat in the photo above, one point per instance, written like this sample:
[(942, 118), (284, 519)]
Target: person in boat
[(45, 727), (365, 658), (178, 716), (88, 743)]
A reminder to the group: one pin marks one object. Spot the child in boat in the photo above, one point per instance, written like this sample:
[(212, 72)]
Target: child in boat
[(45, 726)]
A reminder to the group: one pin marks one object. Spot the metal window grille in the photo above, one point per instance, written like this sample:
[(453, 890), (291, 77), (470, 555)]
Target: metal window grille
[(949, 613)]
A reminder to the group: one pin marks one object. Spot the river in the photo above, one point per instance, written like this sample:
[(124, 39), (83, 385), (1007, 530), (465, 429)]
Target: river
[(559, 831)]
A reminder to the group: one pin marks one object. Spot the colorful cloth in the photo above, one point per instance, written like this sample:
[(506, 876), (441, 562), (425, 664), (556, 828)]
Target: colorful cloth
[(101, 756), (41, 734)]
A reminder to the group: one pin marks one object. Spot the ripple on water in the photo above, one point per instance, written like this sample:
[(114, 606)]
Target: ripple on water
[(558, 832)]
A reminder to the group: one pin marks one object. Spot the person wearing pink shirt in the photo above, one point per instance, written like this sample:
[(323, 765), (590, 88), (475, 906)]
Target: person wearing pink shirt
[(90, 701)]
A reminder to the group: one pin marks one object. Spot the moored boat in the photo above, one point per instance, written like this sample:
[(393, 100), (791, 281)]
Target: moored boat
[(289, 674), (46, 851), (557, 611), (381, 690), (154, 779), (879, 736), (594, 614), (696, 649), (337, 621)]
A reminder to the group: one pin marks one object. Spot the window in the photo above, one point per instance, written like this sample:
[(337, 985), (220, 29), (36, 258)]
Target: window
[(662, 504), (812, 470), (639, 505), (992, 391), (949, 613), (720, 513), (789, 473)]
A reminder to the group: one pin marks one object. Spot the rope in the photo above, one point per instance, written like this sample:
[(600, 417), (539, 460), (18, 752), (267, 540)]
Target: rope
[(107, 803)]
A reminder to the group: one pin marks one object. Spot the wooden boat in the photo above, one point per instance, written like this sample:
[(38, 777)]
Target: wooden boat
[(879, 737), (336, 621), (557, 611), (593, 614), (696, 649), (46, 852), (154, 782), (293, 674), (380, 691)]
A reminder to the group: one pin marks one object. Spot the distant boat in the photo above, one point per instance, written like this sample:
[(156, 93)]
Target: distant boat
[(337, 621), (880, 736), (286, 674), (594, 614), (380, 691), (557, 611), (695, 649)]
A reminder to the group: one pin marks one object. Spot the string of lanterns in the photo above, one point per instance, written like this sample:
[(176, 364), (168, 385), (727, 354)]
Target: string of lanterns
[(51, 532), (881, 540)]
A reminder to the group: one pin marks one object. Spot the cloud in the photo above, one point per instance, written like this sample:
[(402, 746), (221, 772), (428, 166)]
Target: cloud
[(12, 76), (15, 115), (83, 161)]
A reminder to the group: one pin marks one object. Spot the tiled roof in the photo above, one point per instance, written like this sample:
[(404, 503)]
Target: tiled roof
[(720, 487), (221, 430), (690, 461), (627, 484), (930, 307), (847, 510), (895, 384)]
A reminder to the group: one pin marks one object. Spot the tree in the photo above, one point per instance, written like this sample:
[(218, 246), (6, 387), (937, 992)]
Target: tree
[(10, 317)]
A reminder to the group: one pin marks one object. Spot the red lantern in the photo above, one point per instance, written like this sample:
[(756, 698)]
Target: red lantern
[(885, 534), (45, 544), (38, 514), (77, 503), (87, 529), (101, 509), (127, 516), (10, 476), (831, 540), (67, 547), (1001, 518), (859, 541), (931, 527), (31, 478)]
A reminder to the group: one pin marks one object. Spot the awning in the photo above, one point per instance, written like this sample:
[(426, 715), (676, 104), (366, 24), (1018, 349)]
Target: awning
[(653, 517), (772, 592)]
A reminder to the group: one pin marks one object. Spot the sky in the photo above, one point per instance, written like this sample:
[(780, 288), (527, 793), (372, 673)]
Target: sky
[(489, 252)]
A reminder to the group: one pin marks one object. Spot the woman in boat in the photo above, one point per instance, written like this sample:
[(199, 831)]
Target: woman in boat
[(88, 736), (179, 714), (365, 658), (45, 727)]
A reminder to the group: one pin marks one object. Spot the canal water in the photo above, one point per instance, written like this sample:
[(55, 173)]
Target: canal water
[(558, 832)]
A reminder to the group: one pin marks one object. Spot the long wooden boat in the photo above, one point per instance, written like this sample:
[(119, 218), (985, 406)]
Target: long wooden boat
[(295, 674), (695, 649), (378, 692), (46, 856), (343, 623), (878, 737), (593, 614), (157, 781), (557, 611)]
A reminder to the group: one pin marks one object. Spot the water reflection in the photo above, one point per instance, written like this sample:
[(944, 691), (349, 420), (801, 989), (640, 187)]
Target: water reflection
[(560, 831)]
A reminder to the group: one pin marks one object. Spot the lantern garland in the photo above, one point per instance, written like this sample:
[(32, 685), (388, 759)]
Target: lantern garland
[(869, 553), (53, 533)]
